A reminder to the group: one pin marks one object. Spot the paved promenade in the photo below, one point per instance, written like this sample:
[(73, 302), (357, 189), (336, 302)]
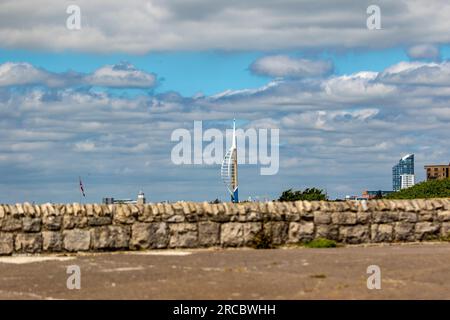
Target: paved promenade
[(408, 271)]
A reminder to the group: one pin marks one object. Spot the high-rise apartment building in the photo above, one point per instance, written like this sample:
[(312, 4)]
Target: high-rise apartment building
[(407, 180), (404, 166)]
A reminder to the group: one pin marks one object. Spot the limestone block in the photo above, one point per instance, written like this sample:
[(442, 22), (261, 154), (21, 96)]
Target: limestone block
[(110, 237), (31, 224), (183, 235), (76, 240), (208, 233), (153, 235), (6, 243), (354, 234), (300, 232), (52, 241), (28, 242)]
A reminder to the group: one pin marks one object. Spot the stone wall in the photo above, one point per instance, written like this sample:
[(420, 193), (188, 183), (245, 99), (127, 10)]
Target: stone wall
[(26, 228)]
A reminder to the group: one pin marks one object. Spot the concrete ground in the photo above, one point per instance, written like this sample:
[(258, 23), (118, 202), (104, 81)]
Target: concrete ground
[(408, 271)]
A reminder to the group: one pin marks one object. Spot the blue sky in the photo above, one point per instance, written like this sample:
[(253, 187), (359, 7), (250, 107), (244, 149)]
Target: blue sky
[(207, 72), (102, 102)]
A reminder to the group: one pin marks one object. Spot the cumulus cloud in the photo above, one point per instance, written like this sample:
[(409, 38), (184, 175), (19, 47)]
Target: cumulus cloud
[(121, 75), (287, 67), (355, 125), (139, 26), (14, 74), (418, 73), (424, 51)]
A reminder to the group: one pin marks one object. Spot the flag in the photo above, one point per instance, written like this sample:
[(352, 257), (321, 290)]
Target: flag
[(82, 189)]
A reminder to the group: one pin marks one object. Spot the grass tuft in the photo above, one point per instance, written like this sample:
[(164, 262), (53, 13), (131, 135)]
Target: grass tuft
[(321, 243)]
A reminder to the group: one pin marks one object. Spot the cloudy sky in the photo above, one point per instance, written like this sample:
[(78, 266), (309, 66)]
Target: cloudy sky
[(102, 102)]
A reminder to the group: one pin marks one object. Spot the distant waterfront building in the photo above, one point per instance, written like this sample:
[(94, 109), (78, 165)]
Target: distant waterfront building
[(407, 180), (404, 166), (372, 194), (140, 200), (437, 172)]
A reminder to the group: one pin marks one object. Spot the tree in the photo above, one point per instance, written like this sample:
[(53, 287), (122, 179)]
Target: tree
[(423, 190), (308, 194)]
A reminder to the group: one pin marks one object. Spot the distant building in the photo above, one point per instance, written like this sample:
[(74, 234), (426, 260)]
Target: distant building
[(348, 197), (407, 180), (405, 166), (370, 194), (437, 172), (140, 200)]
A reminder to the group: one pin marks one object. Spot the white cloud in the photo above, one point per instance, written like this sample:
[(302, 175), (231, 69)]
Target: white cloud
[(139, 26), (24, 74), (285, 66), (121, 75), (424, 51), (418, 73), (356, 126)]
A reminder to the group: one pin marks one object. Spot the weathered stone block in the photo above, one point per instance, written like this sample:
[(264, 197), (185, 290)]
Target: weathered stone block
[(427, 230), (425, 216), (153, 235), (322, 217), (183, 235), (31, 224), (363, 217), (404, 231), (6, 243), (251, 230), (208, 233), (52, 222), (354, 234), (444, 216), (124, 214), (76, 240), (28, 242), (384, 216), (70, 222), (11, 224), (329, 231), (99, 221), (176, 218), (300, 232), (445, 229), (232, 234), (382, 233), (52, 241), (110, 237), (344, 218), (277, 231), (408, 216)]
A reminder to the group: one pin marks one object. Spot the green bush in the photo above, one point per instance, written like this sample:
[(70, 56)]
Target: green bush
[(308, 194), (321, 243), (423, 190)]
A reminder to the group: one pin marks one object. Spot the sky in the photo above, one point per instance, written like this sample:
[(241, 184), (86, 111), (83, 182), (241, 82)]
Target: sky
[(101, 102)]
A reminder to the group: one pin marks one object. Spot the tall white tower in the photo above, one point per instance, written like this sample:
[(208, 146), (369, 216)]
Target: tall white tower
[(229, 169)]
